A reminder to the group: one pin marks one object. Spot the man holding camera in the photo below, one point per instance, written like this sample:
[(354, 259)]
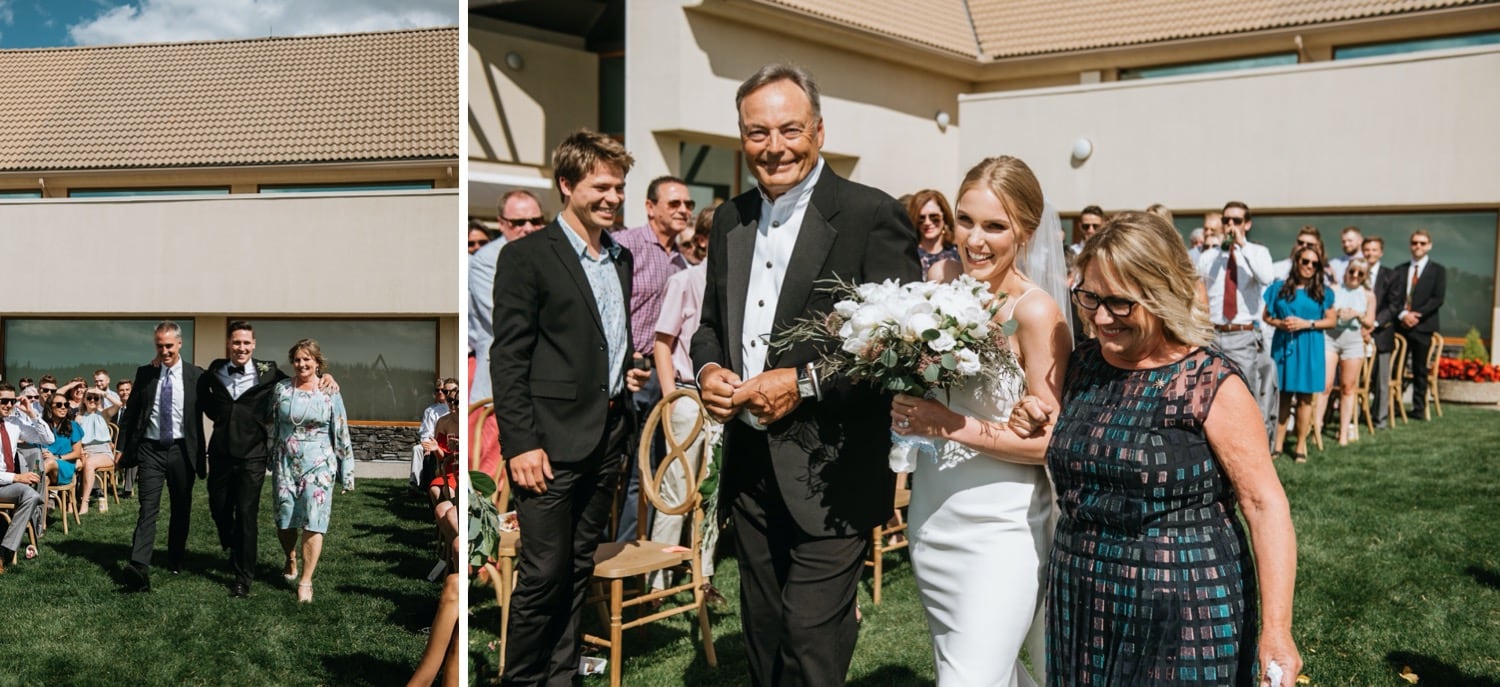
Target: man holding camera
[(669, 211), (1236, 273)]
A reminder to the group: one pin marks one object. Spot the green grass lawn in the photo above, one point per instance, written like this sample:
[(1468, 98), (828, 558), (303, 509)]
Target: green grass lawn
[(1399, 548), (69, 622)]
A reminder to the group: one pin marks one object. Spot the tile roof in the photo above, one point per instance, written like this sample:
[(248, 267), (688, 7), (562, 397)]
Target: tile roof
[(355, 97), (1012, 28)]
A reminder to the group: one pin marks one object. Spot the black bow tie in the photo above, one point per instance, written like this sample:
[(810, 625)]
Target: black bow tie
[(236, 369)]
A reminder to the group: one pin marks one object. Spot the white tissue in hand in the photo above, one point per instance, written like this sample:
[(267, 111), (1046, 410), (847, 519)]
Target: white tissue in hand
[(1273, 674)]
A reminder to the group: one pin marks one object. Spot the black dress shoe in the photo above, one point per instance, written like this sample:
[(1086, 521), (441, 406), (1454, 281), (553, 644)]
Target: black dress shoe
[(139, 580), (239, 590)]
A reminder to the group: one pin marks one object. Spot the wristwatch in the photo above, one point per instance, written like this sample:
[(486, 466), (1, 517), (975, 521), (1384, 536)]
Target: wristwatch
[(807, 382)]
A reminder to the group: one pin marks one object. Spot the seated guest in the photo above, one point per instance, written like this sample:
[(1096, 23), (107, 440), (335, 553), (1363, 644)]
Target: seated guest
[(98, 450), (60, 455), (442, 447), (73, 391), (18, 485), (421, 471)]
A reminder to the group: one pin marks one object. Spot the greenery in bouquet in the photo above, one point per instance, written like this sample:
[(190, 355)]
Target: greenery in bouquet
[(484, 519), (909, 338)]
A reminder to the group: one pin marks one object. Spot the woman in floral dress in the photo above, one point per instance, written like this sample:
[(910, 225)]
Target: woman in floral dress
[(311, 451)]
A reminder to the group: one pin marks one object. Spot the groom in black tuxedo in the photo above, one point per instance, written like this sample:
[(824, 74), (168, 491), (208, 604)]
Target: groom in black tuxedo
[(162, 434), (235, 396), (805, 457)]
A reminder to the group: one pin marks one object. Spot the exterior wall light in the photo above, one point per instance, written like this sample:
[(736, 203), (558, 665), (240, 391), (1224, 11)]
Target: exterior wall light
[(943, 120), (1082, 149), (515, 61)]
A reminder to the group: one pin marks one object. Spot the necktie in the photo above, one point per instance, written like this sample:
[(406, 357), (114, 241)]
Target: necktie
[(236, 370), (1370, 278), (10, 451), (1415, 271), (164, 411), (1231, 289)]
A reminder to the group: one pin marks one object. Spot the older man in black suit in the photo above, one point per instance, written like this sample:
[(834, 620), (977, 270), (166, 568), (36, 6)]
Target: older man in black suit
[(805, 471), (560, 367), (234, 394), (162, 434)]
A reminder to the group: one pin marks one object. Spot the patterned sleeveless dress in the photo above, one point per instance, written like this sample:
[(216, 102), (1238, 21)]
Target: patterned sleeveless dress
[(1151, 580)]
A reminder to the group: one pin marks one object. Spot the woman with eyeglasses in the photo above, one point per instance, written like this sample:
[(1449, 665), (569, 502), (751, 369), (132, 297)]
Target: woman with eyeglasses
[(1299, 308), (1156, 450), (930, 214), (980, 519), (98, 450), (59, 457), (1354, 304)]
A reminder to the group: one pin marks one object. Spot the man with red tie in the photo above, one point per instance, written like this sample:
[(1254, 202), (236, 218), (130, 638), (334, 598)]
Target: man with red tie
[(18, 484), (1236, 274), (1420, 285)]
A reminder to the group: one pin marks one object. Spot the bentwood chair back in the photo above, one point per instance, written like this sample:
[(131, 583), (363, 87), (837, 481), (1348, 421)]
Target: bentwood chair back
[(1434, 354), (1366, 371), (881, 540), (1397, 380), (67, 500), (106, 474), (616, 562), (501, 572)]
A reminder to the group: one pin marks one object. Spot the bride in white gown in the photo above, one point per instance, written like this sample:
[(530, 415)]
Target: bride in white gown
[(981, 513)]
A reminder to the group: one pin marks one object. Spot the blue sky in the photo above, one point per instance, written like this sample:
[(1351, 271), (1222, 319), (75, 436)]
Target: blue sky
[(57, 23)]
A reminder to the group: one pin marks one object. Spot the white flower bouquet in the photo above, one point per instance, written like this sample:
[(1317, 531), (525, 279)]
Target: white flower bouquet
[(914, 338)]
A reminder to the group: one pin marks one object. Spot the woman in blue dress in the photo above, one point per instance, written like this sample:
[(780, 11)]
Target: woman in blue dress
[(311, 451), (1299, 308)]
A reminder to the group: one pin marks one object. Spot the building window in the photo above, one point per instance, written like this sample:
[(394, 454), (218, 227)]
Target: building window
[(20, 194), (126, 192), (709, 172), (1349, 52), (1206, 67), (1463, 242), (68, 348), (347, 188), (384, 368), (612, 94)]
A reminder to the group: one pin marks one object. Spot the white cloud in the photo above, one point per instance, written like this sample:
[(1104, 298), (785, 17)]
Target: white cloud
[(156, 21)]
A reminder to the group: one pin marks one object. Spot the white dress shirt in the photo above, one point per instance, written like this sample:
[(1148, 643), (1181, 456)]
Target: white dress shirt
[(481, 314), (1254, 275), (1412, 273), (430, 415), (238, 384), (22, 427), (169, 375)]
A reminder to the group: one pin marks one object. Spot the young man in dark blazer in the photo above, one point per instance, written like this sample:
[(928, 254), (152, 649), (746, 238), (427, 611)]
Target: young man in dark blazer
[(161, 432), (235, 395), (805, 472), (1387, 307), (561, 373), (1420, 286)]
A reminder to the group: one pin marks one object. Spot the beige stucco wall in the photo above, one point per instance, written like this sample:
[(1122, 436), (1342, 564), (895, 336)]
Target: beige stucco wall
[(1410, 130), (392, 253), (682, 69)]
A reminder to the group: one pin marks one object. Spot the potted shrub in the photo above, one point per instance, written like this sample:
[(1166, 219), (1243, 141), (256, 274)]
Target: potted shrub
[(1469, 378)]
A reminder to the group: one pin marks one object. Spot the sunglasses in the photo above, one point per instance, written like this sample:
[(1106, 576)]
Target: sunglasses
[(1234, 220), (533, 221), (1356, 273), (451, 392), (1418, 243), (1091, 226), (476, 244), (1118, 307), (1307, 244), (48, 389), (59, 405), (7, 401), (91, 399), (1304, 262), (689, 204), (935, 219)]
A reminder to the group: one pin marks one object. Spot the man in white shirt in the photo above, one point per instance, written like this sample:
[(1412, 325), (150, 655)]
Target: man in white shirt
[(1421, 287), (101, 382), (162, 434), (1350, 240), (425, 432), (19, 484), (1236, 274)]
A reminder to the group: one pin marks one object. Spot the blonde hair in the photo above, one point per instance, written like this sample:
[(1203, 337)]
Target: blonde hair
[(1012, 181), (1144, 254)]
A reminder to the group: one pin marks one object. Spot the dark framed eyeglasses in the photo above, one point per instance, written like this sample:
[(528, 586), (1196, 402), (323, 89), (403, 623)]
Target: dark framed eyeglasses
[(533, 221), (1117, 306), (63, 404), (1234, 220), (8, 401), (48, 389), (1304, 262)]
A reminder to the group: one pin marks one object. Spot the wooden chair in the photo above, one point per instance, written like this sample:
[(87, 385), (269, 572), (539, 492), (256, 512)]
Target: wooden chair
[(105, 476), (1434, 354), (615, 562), (1366, 371), (1397, 380), (67, 500), (5, 511), (502, 571), (879, 540)]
